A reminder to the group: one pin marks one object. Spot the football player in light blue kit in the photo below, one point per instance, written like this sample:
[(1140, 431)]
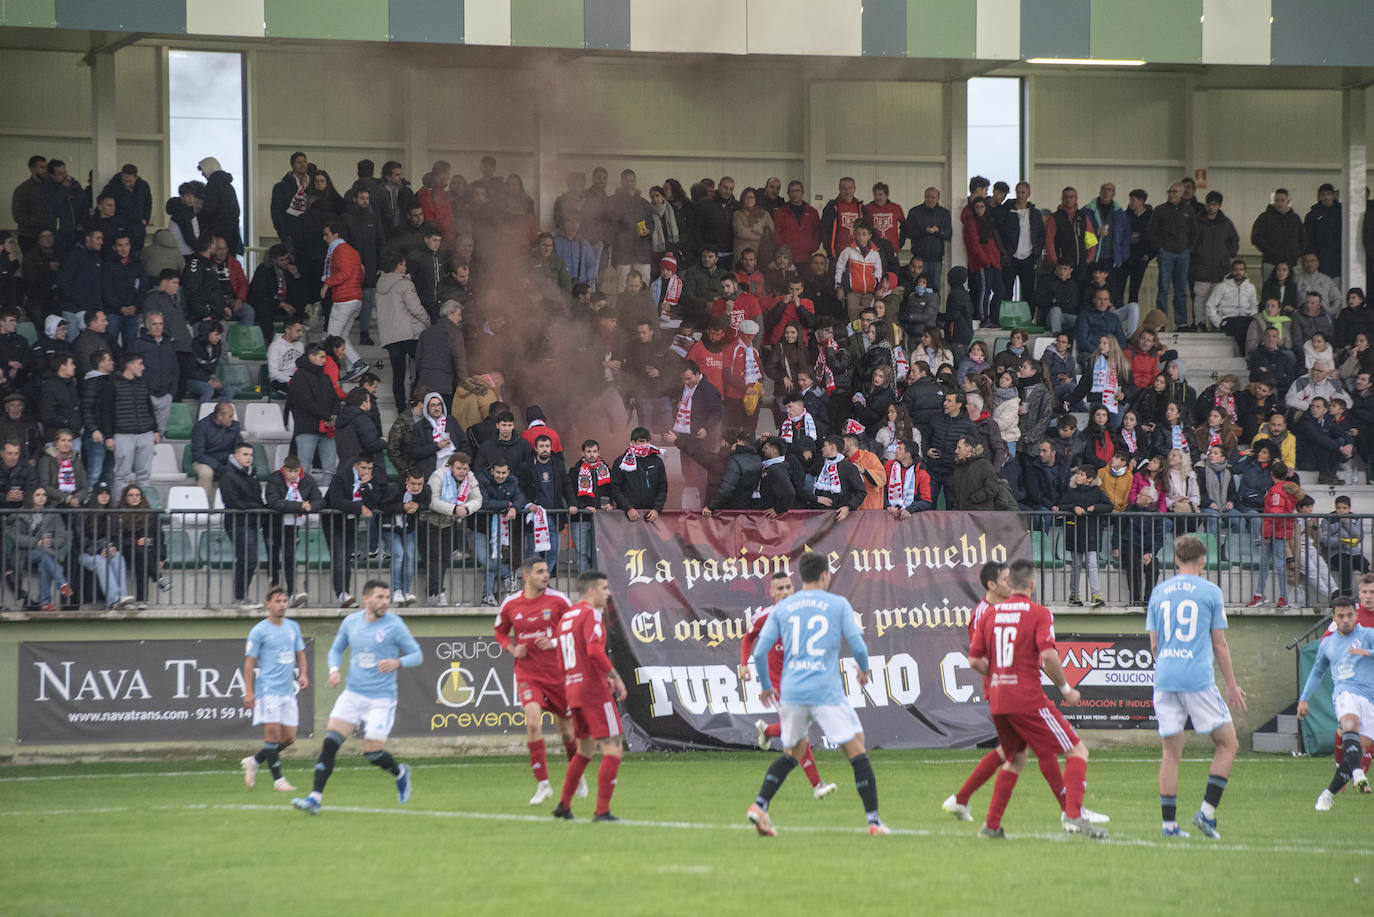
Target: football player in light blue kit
[(274, 654), (381, 645), (1345, 653), (1187, 624), (810, 625)]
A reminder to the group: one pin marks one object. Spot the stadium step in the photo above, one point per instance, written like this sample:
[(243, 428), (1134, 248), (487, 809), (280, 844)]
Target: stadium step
[(1280, 735)]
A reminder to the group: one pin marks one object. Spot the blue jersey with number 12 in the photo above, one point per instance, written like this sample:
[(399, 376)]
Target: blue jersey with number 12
[(1183, 613), (810, 625)]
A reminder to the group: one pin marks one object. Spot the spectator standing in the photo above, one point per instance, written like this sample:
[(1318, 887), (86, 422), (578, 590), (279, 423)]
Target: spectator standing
[(343, 283), (135, 425), (1279, 234), (123, 286), (219, 212), (292, 495), (242, 497), (1278, 531), (440, 353), (796, 224), (1323, 228), (133, 201), (404, 500), (455, 495), (79, 278), (353, 495), (160, 363), (1214, 250), (838, 218), (28, 204), (313, 405), (639, 480), (588, 490), (275, 293), (1022, 233), (1173, 231), (1139, 249), (1084, 503), (98, 418), (501, 498)]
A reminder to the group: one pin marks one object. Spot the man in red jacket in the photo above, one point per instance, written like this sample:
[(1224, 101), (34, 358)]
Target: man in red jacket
[(797, 225), (343, 283), (838, 219)]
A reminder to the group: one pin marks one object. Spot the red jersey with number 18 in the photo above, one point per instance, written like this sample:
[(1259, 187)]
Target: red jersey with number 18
[(522, 621), (582, 653), (1011, 637)]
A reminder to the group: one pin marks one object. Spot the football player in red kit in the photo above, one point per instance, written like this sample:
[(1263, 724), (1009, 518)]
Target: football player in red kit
[(778, 589), (592, 688), (525, 627)]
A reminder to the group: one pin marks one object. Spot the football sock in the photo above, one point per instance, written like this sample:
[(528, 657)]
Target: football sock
[(605, 782), (1168, 807), (1351, 752), (1049, 769), (981, 774), (576, 768), (808, 766), (384, 760), (867, 785), (1211, 798), (1367, 761), (777, 773), (273, 751), (324, 766), (773, 730), (1001, 795), (538, 762), (261, 756), (1075, 785), (570, 748), (1338, 781)]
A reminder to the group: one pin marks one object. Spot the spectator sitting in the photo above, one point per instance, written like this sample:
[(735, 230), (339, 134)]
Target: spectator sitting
[(283, 353), (1273, 360), (1312, 318), (1115, 480), (1320, 382), (213, 439), (42, 538), (207, 350), (1218, 431), (62, 472), (1232, 305), (1322, 445), (1342, 539)]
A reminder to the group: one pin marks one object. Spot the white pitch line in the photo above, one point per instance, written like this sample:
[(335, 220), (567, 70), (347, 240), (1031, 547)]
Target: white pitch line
[(1289, 846)]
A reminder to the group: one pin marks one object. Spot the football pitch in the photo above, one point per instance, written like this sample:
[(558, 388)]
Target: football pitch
[(187, 837)]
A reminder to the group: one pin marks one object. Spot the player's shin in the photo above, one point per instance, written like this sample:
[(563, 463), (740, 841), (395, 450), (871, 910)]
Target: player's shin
[(808, 766), (1351, 752), (273, 758), (1001, 795), (605, 782), (1168, 810), (1212, 796), (1049, 769), (1075, 785), (576, 768), (385, 761), (538, 761), (867, 785), (324, 765), (777, 773), (981, 774)]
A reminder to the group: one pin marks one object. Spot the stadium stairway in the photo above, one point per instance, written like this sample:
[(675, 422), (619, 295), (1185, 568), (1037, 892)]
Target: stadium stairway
[(1280, 735)]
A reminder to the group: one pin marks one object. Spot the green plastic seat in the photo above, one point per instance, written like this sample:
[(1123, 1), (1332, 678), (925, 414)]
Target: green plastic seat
[(246, 342), (180, 420), (261, 464), (311, 549), (1042, 554), (1214, 559), (216, 550), (186, 462), (29, 331), (154, 498), (1014, 314), (1241, 552), (181, 555), (242, 377)]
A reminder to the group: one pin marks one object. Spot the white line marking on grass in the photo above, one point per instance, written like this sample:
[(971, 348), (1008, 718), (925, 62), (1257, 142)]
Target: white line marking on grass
[(1285, 845), (703, 870)]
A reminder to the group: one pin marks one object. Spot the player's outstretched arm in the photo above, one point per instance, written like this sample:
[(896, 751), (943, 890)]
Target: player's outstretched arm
[(1235, 696)]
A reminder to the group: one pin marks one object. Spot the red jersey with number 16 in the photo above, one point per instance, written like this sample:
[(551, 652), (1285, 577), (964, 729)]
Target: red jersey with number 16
[(582, 654), (1011, 637), (522, 621)]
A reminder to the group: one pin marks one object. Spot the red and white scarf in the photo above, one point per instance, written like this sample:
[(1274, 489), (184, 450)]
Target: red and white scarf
[(683, 423), (539, 518), (298, 201), (829, 478), (672, 292), (630, 460), (901, 484), (902, 363), (357, 487), (824, 375), (1213, 437), (804, 425), (1227, 404), (853, 426), (751, 362), (586, 474), (1106, 382), (1128, 437), (66, 476)]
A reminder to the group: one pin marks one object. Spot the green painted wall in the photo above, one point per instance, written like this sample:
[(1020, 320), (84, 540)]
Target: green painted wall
[(1264, 668)]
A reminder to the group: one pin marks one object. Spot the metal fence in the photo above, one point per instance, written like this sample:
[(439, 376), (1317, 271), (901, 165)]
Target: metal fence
[(1323, 555), (221, 558), (215, 559)]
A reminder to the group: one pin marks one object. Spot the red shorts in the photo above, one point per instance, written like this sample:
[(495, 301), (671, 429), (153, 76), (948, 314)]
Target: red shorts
[(547, 694), (596, 721), (1044, 731)]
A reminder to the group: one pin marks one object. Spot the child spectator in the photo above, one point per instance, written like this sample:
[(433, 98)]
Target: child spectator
[(1277, 533)]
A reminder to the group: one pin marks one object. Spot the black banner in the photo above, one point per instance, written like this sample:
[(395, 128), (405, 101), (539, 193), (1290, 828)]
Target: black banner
[(1115, 676), (464, 687), (139, 691), (686, 589)]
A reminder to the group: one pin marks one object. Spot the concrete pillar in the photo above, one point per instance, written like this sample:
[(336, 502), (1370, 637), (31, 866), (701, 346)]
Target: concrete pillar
[(1195, 146), (1354, 172), (548, 182), (956, 167), (105, 153), (813, 152), (417, 161)]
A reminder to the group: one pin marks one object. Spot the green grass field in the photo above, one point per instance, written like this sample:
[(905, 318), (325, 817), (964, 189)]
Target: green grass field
[(188, 838)]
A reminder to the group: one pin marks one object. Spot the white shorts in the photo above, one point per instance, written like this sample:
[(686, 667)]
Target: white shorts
[(276, 708), (838, 722), (1349, 703), (372, 716), (1206, 708)]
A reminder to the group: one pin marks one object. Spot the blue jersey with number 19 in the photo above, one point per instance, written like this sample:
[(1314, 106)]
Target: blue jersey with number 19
[(1183, 612), (810, 624)]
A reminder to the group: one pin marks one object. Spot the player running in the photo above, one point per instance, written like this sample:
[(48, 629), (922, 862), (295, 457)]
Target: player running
[(779, 588), (1018, 633), (525, 626), (1346, 655), (1364, 616), (592, 686), (381, 645), (1187, 625), (810, 625), (274, 654)]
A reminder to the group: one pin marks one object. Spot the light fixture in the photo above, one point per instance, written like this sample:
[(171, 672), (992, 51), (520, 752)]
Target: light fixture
[(1085, 62)]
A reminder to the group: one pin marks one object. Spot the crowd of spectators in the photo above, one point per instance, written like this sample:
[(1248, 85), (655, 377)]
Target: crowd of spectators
[(680, 316)]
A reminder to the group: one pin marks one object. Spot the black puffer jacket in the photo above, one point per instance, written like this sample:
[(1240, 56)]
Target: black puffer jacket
[(310, 396), (59, 405), (133, 408), (743, 471)]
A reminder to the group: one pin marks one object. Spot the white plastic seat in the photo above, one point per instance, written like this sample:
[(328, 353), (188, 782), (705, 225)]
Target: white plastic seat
[(264, 422), (188, 505), (167, 463)]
